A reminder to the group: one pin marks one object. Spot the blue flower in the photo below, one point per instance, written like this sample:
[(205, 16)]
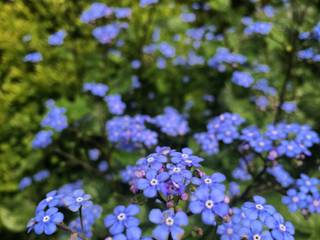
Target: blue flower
[(41, 175), (228, 231), (123, 219), (186, 158), (103, 166), (258, 209), (144, 3), (94, 154), (213, 182), (209, 203), (42, 139), (96, 11), (172, 122), (52, 199), (289, 107), (307, 184), (96, 89), (25, 182), (289, 148), (46, 221), (294, 200), (55, 118), (169, 223), (281, 230), (33, 57), (152, 183), (77, 199), (122, 12), (243, 79), (115, 104), (262, 28), (57, 38)]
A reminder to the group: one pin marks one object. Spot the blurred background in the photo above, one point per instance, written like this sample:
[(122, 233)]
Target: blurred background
[(158, 55)]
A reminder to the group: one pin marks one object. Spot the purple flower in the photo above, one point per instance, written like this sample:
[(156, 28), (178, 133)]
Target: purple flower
[(169, 223)]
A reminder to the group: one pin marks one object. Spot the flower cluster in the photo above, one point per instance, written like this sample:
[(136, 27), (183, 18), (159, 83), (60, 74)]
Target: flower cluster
[(171, 122), (256, 220), (56, 120), (48, 217), (243, 79), (222, 128), (115, 105), (95, 11), (130, 133), (223, 56), (96, 89), (304, 195), (261, 28), (290, 140)]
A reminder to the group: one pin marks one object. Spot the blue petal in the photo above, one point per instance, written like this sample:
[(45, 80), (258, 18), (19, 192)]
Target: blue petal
[(142, 184), (150, 192), (161, 232), (49, 228), (133, 233), (208, 217), (196, 207), (176, 233), (181, 219), (132, 209), (39, 228), (155, 216), (57, 218), (110, 220), (116, 228)]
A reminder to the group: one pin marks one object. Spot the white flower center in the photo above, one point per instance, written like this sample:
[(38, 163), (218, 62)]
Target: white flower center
[(308, 183), (121, 216), (256, 237), (290, 147), (259, 207), (169, 221), (282, 227), (316, 203), (46, 219), (154, 182), (79, 199), (187, 161), (150, 159), (176, 169), (184, 155), (229, 231), (209, 204), (48, 199), (295, 199), (207, 180), (261, 144), (228, 133)]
